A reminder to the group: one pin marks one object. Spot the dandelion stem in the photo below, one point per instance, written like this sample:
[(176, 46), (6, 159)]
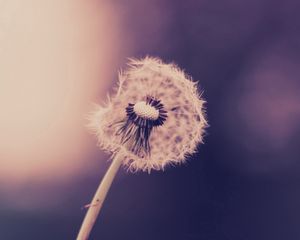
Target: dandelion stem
[(97, 202)]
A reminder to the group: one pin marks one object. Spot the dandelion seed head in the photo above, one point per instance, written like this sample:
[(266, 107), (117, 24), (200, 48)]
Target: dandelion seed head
[(156, 118)]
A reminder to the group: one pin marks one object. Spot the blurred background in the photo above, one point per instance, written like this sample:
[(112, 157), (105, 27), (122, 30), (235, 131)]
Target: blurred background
[(57, 57)]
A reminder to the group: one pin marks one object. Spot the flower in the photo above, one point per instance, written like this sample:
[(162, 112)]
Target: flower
[(156, 117)]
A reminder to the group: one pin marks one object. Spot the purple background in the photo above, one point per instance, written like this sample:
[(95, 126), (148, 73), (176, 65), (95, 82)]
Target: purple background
[(244, 182)]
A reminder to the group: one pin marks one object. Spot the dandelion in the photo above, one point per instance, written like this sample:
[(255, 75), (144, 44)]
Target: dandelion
[(155, 119)]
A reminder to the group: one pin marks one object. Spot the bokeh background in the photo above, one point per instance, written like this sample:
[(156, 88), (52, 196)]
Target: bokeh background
[(57, 57)]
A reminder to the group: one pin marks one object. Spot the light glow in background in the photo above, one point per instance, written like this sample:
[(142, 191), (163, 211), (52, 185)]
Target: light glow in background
[(55, 58)]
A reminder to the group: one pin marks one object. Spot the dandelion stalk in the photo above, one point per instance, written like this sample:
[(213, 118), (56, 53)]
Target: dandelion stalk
[(97, 202)]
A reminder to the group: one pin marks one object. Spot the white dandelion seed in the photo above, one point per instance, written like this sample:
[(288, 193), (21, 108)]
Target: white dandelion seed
[(155, 119)]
